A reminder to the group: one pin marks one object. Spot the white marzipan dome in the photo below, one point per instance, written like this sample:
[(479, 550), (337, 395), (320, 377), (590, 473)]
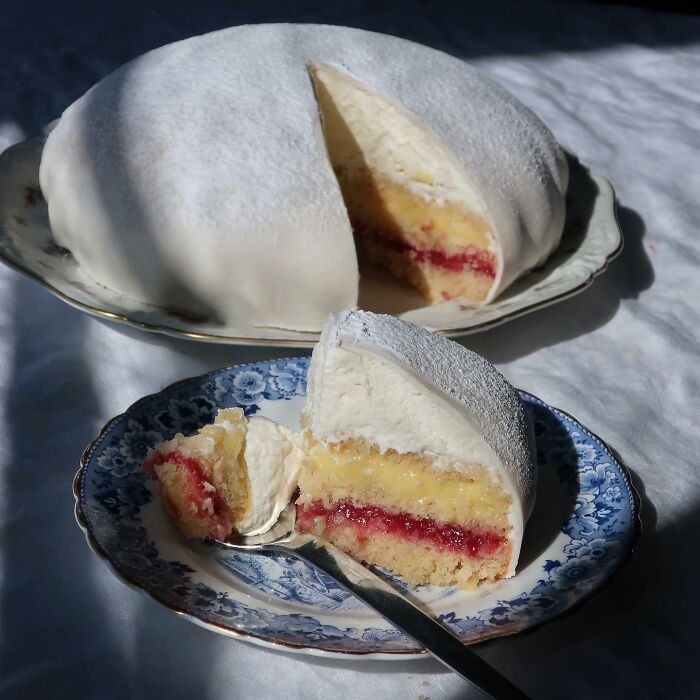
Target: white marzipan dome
[(196, 177)]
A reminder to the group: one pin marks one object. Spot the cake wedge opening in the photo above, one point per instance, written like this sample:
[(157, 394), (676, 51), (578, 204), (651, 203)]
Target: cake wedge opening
[(412, 210)]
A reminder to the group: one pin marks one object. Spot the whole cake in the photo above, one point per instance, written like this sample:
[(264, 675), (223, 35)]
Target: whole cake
[(229, 175), (236, 473), (419, 455)]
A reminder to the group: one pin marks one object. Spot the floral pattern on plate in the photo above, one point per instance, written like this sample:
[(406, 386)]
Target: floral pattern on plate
[(572, 546)]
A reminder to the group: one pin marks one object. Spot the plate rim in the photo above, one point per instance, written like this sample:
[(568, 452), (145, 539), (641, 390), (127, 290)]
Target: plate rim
[(199, 336), (293, 647)]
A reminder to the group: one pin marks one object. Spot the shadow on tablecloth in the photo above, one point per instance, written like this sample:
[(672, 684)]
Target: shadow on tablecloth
[(627, 278), (66, 622)]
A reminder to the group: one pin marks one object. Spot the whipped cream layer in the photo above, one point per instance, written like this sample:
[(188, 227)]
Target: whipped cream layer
[(401, 387), (364, 396), (273, 460)]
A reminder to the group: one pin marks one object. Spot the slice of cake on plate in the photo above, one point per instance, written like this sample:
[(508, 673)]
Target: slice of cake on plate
[(419, 454), (237, 473)]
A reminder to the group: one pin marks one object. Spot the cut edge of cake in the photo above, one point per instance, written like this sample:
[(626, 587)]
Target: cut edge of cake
[(414, 209)]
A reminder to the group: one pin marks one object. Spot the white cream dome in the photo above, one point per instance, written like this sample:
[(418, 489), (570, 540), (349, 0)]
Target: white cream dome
[(196, 177)]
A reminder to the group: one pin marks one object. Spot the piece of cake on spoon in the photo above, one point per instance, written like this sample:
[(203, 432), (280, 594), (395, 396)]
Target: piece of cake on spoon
[(236, 473)]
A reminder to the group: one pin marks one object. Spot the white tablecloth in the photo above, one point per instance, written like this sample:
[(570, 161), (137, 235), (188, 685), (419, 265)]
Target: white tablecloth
[(619, 86)]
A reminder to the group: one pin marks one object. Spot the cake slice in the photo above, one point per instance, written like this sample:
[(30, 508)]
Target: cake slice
[(237, 473), (418, 453)]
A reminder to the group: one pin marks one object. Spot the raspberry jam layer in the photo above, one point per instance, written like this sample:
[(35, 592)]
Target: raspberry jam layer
[(480, 262), (370, 519), (201, 498)]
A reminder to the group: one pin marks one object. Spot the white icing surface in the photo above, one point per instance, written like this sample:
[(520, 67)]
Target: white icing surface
[(391, 383), (273, 460), (196, 176)]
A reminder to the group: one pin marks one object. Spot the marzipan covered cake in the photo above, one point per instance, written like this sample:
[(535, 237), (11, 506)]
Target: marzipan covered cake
[(240, 175), (419, 455)]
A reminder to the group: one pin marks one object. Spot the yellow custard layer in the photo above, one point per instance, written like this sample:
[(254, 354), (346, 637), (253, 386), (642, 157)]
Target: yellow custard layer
[(388, 187), (391, 208), (402, 482)]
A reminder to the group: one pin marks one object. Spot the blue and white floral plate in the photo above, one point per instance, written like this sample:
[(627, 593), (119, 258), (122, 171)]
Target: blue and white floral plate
[(582, 529)]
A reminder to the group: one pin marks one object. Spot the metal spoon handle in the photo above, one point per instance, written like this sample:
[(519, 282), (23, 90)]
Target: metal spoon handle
[(400, 612)]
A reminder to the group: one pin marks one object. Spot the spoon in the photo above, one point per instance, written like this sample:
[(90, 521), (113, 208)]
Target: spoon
[(378, 595)]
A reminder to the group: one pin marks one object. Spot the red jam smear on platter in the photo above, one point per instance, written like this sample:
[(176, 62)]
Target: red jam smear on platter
[(374, 519), (198, 488)]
